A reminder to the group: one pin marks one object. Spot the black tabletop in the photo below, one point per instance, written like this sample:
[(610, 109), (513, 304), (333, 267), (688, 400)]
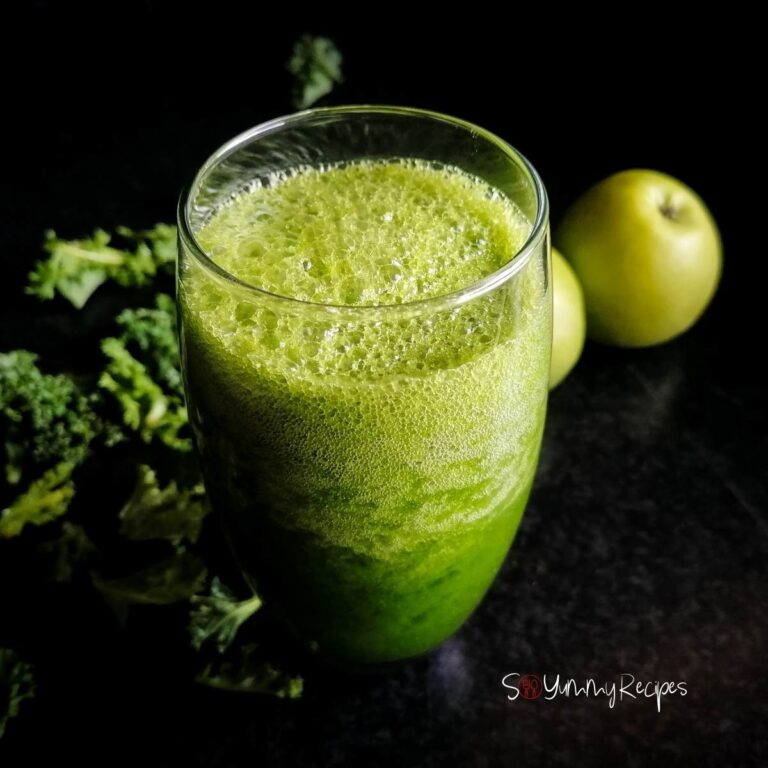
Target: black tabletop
[(644, 549)]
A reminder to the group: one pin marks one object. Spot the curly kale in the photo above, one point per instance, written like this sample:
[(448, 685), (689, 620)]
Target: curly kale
[(76, 268), (68, 552), (45, 499), (247, 671), (16, 685), (171, 580), (44, 419), (215, 619), (218, 615), (151, 332), (144, 376), (51, 424), (316, 67), (169, 512)]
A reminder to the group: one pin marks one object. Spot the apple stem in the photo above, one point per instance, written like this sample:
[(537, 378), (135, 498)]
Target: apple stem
[(668, 210)]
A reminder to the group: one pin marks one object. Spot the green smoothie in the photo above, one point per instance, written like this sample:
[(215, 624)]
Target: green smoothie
[(371, 451)]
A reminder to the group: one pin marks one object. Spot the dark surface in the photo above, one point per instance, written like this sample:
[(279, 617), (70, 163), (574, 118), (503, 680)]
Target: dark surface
[(645, 546)]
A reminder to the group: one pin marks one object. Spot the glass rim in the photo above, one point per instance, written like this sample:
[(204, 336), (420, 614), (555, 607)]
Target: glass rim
[(456, 298)]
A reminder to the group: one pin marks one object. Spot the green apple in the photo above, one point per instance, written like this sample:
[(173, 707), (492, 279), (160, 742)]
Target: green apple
[(569, 323), (648, 254)]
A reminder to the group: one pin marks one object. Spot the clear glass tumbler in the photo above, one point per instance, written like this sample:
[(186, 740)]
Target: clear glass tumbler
[(373, 509)]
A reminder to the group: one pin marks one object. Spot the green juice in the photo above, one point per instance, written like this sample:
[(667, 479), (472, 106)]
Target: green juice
[(371, 450)]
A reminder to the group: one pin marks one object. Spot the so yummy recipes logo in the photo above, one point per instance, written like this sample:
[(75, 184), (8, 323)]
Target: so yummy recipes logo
[(531, 687)]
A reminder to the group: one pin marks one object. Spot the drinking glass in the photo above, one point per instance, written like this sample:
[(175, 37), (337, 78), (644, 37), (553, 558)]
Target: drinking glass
[(373, 504)]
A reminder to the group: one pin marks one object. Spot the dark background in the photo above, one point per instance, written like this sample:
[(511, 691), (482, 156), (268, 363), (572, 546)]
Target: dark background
[(645, 546)]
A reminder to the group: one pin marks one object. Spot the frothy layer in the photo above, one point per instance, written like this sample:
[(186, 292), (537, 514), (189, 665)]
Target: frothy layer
[(335, 236), (366, 233)]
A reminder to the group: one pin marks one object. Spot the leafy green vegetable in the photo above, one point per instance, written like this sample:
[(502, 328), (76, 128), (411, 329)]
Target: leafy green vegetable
[(150, 333), (143, 373), (50, 425), (43, 418), (46, 499), (173, 579), (76, 268), (169, 513), (248, 672), (17, 684), (147, 408), (70, 550), (316, 67), (161, 240), (218, 615)]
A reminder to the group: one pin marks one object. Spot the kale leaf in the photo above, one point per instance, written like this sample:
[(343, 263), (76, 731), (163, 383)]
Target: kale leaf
[(76, 268), (69, 551), (44, 418), (316, 67), (50, 425), (143, 374), (169, 513), (44, 500), (17, 683), (247, 671), (218, 615), (151, 333), (171, 580)]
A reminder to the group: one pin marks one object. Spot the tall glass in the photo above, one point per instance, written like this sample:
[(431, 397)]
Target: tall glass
[(373, 510)]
